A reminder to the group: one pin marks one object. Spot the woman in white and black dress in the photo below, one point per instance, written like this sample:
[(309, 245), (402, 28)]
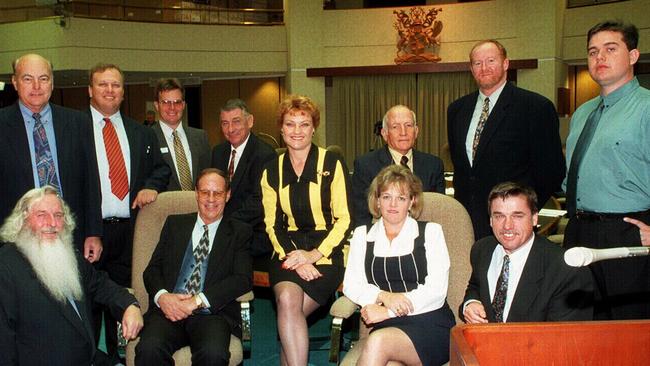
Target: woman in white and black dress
[(398, 271)]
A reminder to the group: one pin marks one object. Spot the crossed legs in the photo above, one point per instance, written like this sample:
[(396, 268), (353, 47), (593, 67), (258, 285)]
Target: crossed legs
[(388, 344)]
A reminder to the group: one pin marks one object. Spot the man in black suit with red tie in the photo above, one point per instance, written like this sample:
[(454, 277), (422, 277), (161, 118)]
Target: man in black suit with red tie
[(43, 143), (501, 133), (243, 156)]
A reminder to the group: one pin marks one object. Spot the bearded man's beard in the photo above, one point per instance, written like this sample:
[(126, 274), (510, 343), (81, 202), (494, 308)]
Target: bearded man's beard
[(54, 262)]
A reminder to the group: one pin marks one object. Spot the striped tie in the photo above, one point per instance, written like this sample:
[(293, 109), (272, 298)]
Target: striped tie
[(44, 159), (201, 251), (485, 113), (116, 167), (231, 166), (184, 174), (501, 291)]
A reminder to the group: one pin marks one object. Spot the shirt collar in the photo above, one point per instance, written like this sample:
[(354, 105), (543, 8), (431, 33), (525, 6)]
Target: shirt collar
[(98, 117), (521, 252), (397, 156), (211, 227), (408, 232), (494, 96), (27, 113), (613, 97), (167, 131), (241, 147), (308, 172)]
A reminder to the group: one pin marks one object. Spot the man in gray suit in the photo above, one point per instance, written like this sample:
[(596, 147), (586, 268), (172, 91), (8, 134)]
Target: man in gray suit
[(185, 149)]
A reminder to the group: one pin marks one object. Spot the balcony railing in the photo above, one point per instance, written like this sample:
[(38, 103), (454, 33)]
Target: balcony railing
[(166, 11)]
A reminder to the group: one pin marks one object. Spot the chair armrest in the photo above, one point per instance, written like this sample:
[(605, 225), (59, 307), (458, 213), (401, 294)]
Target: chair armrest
[(247, 297), (343, 308)]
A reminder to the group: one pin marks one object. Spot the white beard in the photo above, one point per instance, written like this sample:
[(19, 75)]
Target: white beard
[(54, 263)]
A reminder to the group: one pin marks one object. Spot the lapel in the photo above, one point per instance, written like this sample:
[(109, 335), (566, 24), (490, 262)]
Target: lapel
[(484, 265), (462, 126), (183, 236), (385, 158), (15, 130), (529, 283), (167, 157), (82, 325), (193, 144), (494, 120), (244, 162), (134, 143), (418, 165), (61, 125), (220, 244)]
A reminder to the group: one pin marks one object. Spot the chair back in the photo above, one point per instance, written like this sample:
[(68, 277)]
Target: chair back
[(459, 235), (148, 226)]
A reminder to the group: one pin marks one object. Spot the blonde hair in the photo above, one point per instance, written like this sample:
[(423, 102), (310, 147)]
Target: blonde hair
[(398, 176)]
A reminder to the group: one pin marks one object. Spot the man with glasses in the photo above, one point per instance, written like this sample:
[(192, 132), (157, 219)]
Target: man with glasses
[(131, 173), (185, 149), (45, 144), (518, 276), (198, 269)]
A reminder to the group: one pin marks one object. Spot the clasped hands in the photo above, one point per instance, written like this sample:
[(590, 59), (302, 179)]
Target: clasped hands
[(302, 262), (177, 306), (398, 303)]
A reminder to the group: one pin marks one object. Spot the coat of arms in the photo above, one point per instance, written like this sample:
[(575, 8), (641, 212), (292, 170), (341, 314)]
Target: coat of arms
[(419, 34)]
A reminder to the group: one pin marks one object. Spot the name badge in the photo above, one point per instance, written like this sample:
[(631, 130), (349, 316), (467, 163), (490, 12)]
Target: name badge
[(164, 150)]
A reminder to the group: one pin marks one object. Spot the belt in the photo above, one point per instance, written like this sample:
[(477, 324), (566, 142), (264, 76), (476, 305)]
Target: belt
[(604, 216), (115, 220)]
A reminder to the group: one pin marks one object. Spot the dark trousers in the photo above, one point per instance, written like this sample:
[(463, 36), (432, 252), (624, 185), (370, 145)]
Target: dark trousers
[(207, 335), (116, 261), (623, 285)]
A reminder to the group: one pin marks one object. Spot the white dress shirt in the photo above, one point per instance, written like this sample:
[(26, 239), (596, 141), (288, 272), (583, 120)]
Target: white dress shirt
[(478, 109), (397, 157), (240, 150), (167, 132)]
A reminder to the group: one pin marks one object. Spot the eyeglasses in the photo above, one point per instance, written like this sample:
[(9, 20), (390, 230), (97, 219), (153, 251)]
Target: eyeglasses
[(172, 103), (205, 194)]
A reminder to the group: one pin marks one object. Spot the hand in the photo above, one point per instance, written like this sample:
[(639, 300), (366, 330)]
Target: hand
[(176, 306), (308, 272), (644, 230), (373, 313), (144, 197), (474, 313), (93, 248), (398, 303), (132, 322), (299, 257)]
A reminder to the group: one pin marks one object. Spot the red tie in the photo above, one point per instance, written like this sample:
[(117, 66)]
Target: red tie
[(231, 166), (116, 168)]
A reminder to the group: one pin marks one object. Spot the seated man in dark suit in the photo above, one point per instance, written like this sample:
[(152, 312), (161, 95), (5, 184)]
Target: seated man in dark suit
[(47, 288), (197, 271), (399, 130), (518, 276), (243, 156)]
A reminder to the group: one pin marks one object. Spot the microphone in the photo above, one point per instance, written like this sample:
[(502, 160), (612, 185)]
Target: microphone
[(581, 256)]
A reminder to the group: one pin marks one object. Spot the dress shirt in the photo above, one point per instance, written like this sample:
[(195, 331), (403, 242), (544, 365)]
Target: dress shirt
[(426, 297), (111, 205), (197, 233), (397, 157), (240, 151), (615, 171), (46, 120), (167, 132), (478, 109)]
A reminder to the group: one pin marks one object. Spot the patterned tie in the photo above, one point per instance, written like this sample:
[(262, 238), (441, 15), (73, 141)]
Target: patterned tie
[(201, 251), (582, 145), (404, 161), (44, 160), (485, 113), (181, 161), (116, 167), (231, 166), (501, 292)]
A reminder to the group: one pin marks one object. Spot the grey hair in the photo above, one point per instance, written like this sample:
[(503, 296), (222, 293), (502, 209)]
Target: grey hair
[(384, 121)]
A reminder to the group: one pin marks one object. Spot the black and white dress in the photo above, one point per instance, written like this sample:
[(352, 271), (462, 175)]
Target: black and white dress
[(415, 263)]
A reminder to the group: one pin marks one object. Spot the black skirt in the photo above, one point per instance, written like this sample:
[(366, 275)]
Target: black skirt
[(320, 289)]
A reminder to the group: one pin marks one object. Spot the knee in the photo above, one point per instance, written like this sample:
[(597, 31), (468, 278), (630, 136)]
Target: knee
[(288, 301), (375, 344), (208, 354), (151, 348)]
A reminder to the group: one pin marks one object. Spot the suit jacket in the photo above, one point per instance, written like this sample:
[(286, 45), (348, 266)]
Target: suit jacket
[(148, 170), (520, 142), (36, 329), (229, 272), (245, 202), (427, 167), (199, 148), (77, 168), (548, 290)]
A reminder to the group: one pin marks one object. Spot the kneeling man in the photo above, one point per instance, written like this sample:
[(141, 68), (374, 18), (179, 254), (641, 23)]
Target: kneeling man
[(518, 276), (197, 271), (47, 289)]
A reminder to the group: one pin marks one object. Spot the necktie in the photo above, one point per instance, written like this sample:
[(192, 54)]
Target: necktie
[(485, 113), (404, 161), (231, 166), (184, 174), (582, 145), (201, 251), (501, 291), (44, 160), (116, 167)]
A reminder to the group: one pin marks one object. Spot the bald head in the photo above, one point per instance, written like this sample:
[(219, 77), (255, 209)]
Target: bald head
[(33, 81)]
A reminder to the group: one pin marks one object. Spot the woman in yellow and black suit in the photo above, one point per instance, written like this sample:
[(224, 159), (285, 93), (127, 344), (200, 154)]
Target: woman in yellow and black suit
[(305, 198)]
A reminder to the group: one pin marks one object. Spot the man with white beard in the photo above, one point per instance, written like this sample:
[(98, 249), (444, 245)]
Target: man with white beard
[(46, 288)]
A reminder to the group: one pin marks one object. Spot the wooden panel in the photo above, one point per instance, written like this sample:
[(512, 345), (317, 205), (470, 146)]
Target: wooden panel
[(75, 98), (135, 101), (586, 87), (214, 94), (263, 97)]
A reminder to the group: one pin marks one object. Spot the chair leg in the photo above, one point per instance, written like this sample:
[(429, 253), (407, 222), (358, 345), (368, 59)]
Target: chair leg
[(335, 340), (246, 325)]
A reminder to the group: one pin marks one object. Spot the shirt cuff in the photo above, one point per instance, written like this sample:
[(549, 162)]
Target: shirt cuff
[(469, 302), (204, 300), (158, 294)]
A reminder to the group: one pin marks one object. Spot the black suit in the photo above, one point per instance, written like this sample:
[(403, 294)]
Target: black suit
[(77, 166), (228, 276), (245, 202), (199, 149), (36, 329), (427, 167), (520, 142), (548, 290)]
